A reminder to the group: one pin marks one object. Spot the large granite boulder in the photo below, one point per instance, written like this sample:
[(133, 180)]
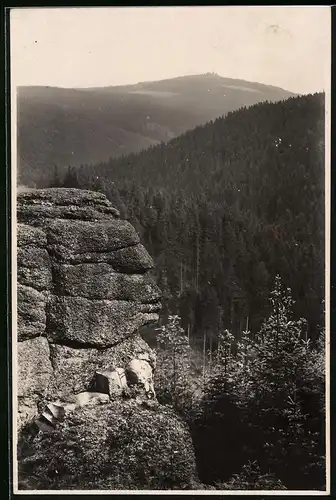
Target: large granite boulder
[(121, 445), (84, 371)]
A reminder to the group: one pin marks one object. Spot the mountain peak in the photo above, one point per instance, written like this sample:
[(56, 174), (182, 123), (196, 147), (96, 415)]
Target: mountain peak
[(79, 126)]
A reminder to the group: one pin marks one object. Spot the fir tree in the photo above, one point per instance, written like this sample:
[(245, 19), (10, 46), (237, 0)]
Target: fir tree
[(174, 382), (268, 399)]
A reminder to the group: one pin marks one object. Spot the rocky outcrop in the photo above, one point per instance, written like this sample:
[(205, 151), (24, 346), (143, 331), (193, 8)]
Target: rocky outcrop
[(84, 290)]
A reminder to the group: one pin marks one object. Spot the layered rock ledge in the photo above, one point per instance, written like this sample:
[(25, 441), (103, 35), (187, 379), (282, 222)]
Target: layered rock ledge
[(84, 290)]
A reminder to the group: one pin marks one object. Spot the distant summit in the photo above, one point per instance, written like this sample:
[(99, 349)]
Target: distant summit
[(215, 79), (59, 126)]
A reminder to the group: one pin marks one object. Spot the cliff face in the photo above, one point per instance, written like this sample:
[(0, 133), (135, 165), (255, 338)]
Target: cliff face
[(84, 290)]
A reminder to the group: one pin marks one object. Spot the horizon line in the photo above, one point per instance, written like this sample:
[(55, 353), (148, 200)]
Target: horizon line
[(207, 73)]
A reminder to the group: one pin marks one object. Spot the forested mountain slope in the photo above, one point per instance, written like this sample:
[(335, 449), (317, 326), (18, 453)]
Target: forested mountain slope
[(58, 126), (227, 206)]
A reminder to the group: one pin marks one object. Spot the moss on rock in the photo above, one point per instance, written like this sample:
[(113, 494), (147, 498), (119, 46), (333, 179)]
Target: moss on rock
[(122, 445)]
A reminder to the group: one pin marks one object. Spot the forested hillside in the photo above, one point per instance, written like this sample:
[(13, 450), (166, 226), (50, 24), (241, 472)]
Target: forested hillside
[(233, 214), (224, 208), (57, 126)]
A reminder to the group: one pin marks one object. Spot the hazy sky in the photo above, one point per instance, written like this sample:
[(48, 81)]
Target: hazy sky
[(81, 47)]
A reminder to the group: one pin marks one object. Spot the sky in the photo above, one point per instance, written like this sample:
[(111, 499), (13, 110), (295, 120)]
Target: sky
[(288, 47)]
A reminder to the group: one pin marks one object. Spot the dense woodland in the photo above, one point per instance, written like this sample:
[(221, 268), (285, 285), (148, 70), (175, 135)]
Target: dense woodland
[(257, 410), (225, 210)]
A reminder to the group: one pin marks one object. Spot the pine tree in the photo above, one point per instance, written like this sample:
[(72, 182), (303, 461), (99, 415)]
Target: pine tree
[(265, 403), (173, 378), (71, 179), (56, 181), (278, 382)]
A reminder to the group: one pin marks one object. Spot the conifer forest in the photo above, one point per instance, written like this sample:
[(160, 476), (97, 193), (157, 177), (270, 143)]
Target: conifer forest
[(233, 214)]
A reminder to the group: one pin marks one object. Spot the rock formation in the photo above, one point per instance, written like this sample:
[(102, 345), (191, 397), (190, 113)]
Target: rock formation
[(84, 290)]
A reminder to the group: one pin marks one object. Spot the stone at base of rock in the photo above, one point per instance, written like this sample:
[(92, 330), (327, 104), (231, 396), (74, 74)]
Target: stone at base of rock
[(75, 368), (140, 373), (90, 398), (112, 383)]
